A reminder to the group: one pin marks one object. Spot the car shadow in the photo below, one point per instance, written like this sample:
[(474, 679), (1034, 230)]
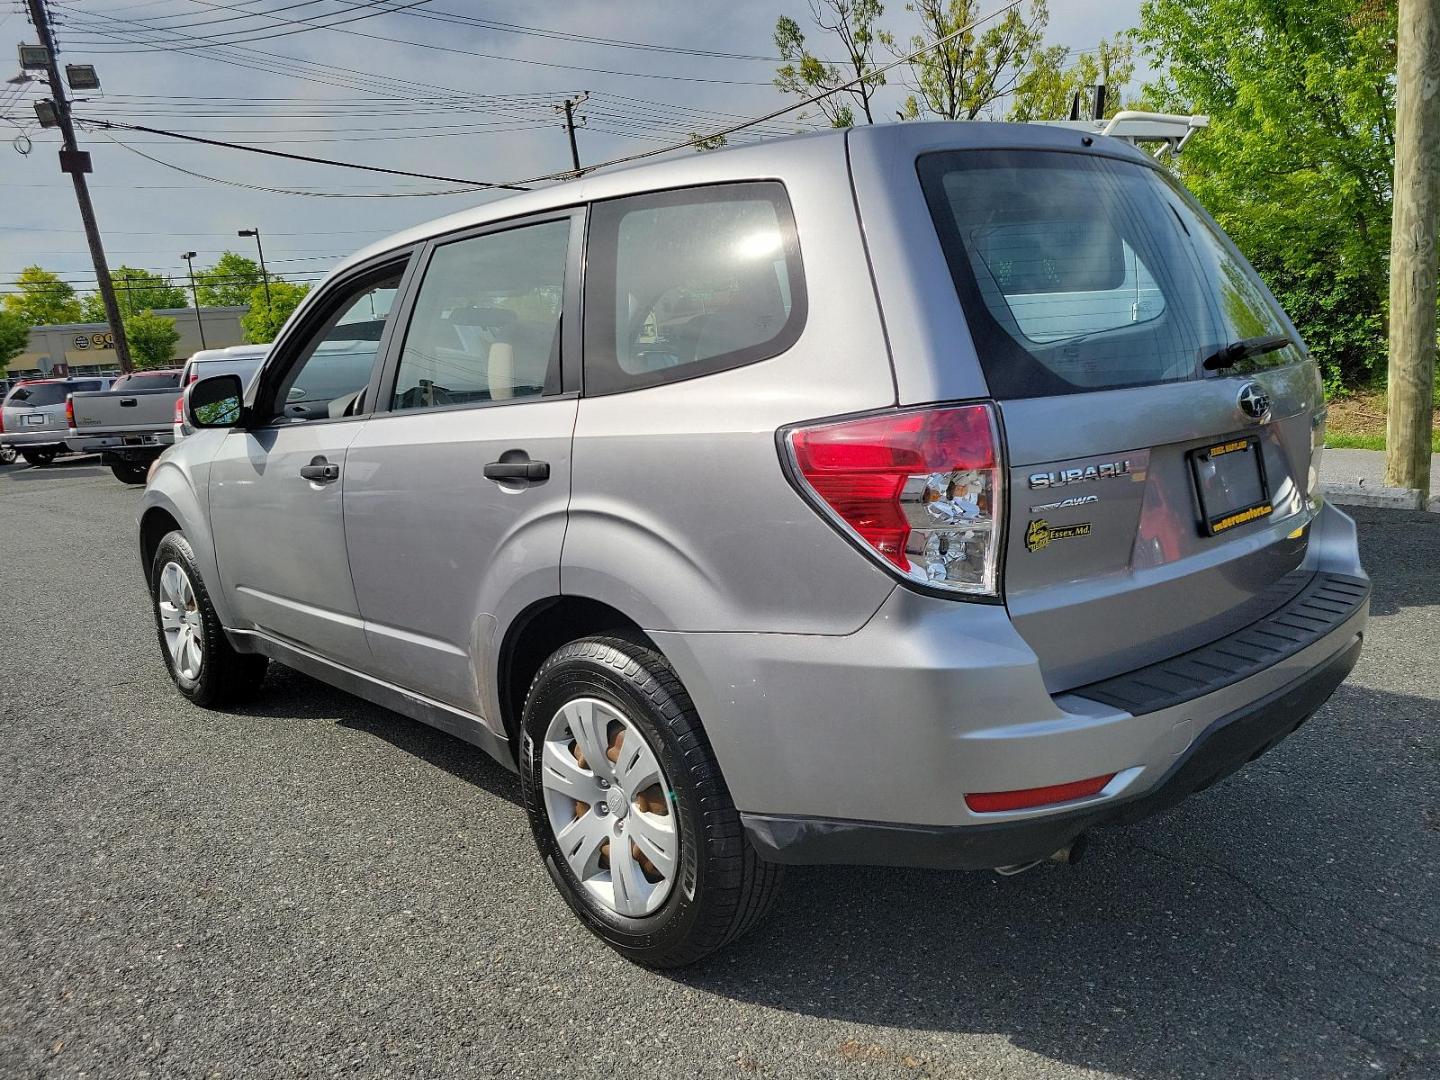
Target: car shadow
[(62, 468), (289, 694)]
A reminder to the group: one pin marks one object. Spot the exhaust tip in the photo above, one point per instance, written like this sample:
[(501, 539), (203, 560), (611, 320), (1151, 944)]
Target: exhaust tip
[(1069, 855)]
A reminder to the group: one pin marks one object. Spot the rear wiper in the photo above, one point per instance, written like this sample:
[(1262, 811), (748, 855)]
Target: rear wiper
[(1230, 355)]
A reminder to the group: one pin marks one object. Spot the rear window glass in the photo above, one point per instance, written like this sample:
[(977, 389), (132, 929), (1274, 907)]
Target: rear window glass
[(688, 282), (147, 380), (1079, 272), (39, 394)]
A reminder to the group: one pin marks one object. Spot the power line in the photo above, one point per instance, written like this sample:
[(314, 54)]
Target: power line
[(108, 124)]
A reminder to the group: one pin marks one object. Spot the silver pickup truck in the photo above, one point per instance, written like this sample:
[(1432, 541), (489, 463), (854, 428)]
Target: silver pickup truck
[(129, 424)]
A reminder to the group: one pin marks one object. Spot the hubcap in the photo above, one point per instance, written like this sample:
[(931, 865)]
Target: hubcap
[(608, 803), (180, 621)]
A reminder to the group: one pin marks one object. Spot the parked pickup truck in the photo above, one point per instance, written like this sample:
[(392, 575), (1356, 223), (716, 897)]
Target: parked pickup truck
[(129, 424)]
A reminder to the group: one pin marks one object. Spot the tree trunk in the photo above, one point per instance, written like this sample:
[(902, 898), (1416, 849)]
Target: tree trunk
[(1412, 246)]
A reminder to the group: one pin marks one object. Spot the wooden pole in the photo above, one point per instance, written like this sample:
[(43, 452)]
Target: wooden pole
[(1413, 253)]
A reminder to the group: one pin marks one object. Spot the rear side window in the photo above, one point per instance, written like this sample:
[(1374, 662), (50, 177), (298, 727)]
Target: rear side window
[(690, 282), (1079, 272), (486, 325)]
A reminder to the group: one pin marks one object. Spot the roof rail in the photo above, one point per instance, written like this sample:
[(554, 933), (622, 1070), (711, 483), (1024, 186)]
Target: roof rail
[(1172, 131)]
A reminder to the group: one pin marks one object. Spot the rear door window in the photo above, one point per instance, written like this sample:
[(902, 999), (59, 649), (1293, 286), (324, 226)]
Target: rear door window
[(688, 282), (39, 394), (1082, 272)]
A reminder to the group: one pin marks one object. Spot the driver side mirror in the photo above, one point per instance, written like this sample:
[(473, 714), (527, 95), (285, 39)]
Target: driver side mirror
[(215, 402)]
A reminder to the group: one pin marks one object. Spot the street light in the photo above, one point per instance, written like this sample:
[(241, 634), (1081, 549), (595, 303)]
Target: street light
[(194, 294), (264, 276)]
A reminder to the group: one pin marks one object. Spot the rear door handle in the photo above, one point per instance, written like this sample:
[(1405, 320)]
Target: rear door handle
[(320, 471), (521, 470)]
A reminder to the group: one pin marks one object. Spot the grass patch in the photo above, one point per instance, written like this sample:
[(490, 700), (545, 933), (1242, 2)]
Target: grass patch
[(1357, 421)]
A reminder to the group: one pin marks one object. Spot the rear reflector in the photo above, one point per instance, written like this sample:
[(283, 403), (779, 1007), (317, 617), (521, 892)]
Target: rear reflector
[(919, 488), (988, 802)]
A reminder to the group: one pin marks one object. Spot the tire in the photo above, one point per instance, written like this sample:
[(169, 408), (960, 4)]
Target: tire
[(718, 887), (127, 473), (8, 454), (38, 458), (219, 675)]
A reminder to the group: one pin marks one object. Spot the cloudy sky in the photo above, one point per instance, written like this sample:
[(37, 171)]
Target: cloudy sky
[(446, 87)]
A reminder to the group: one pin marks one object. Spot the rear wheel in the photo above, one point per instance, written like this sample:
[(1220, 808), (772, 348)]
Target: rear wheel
[(7, 455), (629, 808), (128, 473), (38, 457), (203, 664)]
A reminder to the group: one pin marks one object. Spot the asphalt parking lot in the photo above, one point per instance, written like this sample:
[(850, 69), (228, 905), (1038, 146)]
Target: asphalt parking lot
[(315, 887)]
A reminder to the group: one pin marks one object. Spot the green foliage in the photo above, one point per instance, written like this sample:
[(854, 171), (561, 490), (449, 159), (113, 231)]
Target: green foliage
[(135, 291), (852, 24), (964, 77), (702, 143), (1298, 160), (263, 320), (151, 339), (1045, 91), (229, 282), (14, 335), (42, 299)]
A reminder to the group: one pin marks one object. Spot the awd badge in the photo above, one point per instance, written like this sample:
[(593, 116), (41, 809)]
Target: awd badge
[(1040, 534)]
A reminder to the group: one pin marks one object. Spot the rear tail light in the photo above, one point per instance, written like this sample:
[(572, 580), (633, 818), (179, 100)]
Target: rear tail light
[(69, 412), (920, 489), (989, 802), (180, 409)]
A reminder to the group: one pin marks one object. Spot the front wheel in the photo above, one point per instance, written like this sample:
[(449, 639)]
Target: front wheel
[(203, 664), (128, 473), (629, 808), (38, 458)]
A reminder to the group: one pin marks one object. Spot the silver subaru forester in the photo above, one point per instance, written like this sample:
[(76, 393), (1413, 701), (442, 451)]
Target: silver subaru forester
[(925, 495)]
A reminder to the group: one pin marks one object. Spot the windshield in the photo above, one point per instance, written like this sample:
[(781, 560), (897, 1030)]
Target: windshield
[(1079, 272)]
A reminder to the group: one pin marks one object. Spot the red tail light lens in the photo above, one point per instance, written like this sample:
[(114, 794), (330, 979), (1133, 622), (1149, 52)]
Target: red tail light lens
[(921, 488), (989, 802), (69, 412), (180, 409)]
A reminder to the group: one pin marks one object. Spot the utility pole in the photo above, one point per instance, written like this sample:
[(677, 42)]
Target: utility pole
[(569, 107), (194, 293), (1412, 247), (264, 277), (77, 163)]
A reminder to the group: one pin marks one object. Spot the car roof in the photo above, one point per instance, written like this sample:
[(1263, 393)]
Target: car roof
[(771, 159)]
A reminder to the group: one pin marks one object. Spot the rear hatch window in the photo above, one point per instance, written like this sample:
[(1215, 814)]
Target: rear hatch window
[(1079, 272), (38, 394)]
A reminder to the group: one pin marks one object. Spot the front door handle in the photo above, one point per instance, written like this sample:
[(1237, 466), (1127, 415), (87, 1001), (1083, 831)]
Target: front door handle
[(522, 470), (320, 471)]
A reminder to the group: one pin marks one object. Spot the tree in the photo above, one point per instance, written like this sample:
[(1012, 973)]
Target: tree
[(152, 339), (974, 69), (1046, 90), (229, 282), (263, 321), (1298, 160), (43, 299), (135, 291), (852, 23), (14, 335), (711, 142)]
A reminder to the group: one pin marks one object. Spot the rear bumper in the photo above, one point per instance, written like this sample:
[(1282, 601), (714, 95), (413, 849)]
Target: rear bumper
[(151, 442), (29, 439), (861, 748), (1228, 743)]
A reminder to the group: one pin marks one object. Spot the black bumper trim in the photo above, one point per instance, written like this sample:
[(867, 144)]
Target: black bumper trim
[(1319, 608), (1224, 746)]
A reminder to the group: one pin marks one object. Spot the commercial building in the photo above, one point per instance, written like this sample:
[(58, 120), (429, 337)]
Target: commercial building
[(89, 348)]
